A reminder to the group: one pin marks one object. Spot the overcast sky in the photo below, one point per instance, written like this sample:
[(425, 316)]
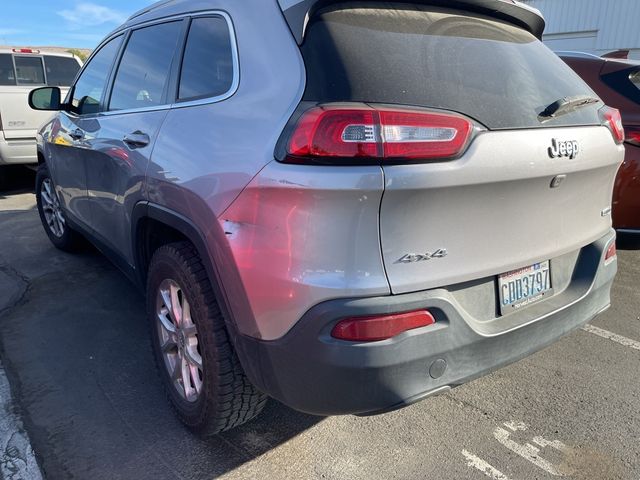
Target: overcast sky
[(79, 24)]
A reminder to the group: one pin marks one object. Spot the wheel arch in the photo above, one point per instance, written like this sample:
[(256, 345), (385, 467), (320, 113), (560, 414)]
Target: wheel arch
[(175, 227)]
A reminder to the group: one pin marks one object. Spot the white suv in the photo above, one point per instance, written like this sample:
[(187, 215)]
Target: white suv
[(21, 69)]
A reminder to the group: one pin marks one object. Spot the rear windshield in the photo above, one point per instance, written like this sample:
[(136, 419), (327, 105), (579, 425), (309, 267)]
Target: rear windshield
[(496, 73), (30, 70)]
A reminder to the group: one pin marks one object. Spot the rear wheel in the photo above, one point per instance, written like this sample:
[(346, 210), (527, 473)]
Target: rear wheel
[(51, 214), (200, 371)]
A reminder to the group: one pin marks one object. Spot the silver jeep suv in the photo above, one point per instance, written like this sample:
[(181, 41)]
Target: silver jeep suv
[(345, 205)]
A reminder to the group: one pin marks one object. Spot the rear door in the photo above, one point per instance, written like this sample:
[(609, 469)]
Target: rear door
[(517, 195), (118, 152)]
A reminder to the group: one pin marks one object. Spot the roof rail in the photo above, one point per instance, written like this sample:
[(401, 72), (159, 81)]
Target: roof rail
[(153, 6)]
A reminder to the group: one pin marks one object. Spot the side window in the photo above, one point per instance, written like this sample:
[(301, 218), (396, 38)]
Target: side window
[(60, 70), (89, 88), (7, 77), (144, 70), (29, 70), (207, 67)]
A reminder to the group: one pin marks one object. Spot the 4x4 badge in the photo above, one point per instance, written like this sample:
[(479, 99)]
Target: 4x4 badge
[(421, 257), (559, 148)]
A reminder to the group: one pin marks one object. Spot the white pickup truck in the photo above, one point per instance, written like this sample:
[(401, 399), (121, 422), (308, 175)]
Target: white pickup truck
[(22, 70)]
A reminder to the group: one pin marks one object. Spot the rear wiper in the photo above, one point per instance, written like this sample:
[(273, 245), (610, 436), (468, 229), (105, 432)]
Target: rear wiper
[(566, 105)]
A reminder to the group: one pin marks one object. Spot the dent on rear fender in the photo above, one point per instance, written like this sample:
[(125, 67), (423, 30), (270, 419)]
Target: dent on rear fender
[(300, 235)]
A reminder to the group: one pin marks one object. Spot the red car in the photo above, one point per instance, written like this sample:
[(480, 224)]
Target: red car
[(617, 83)]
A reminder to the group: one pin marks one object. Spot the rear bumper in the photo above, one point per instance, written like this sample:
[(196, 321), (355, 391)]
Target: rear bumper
[(310, 371), (18, 152)]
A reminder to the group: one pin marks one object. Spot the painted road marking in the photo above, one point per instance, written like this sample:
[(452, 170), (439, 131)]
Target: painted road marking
[(614, 337), (529, 452), (480, 464)]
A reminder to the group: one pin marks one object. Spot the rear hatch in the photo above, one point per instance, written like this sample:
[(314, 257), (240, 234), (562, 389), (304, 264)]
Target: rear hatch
[(525, 189), (19, 74)]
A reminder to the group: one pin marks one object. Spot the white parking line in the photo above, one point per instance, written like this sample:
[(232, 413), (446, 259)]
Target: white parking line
[(614, 337), (479, 464)]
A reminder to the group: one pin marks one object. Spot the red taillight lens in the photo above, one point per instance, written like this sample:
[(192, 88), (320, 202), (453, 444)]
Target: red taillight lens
[(381, 134), (611, 118), (374, 328), (611, 254), (633, 135)]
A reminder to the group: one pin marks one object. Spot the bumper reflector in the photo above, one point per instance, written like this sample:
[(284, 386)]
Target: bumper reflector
[(611, 253), (382, 327)]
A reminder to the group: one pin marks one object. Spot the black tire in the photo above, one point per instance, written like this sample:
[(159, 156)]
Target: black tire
[(226, 398), (70, 240)]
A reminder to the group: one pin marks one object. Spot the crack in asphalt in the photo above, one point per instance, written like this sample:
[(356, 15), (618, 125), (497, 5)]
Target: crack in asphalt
[(11, 272)]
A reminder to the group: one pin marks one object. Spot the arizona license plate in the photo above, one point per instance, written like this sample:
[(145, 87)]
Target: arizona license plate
[(524, 286)]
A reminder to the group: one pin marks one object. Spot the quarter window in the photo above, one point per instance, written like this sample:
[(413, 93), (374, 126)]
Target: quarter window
[(143, 74), (7, 77), (29, 70), (60, 70), (207, 67), (89, 88)]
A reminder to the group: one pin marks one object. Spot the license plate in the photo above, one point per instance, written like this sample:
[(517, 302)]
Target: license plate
[(524, 286)]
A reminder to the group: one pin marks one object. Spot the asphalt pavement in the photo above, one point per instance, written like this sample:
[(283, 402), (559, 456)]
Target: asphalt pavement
[(74, 343)]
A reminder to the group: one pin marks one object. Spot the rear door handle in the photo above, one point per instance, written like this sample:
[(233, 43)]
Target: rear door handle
[(76, 134), (136, 139)]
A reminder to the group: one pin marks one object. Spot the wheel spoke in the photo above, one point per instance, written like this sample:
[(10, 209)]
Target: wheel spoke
[(195, 378), (169, 346), (186, 380), (192, 356), (176, 308), (166, 323)]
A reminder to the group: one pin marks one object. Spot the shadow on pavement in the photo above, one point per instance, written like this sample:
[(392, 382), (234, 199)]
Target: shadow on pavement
[(16, 179)]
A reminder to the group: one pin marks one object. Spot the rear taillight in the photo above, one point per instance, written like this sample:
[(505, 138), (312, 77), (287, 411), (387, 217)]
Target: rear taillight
[(611, 254), (382, 327), (633, 135), (336, 134), (611, 118)]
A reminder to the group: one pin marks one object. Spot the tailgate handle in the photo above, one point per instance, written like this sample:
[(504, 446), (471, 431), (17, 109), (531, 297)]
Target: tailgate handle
[(136, 139), (76, 134)]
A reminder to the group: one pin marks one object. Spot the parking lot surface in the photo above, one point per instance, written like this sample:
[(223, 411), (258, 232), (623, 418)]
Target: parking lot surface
[(74, 342)]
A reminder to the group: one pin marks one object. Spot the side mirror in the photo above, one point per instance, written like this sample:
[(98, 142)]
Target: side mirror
[(45, 98)]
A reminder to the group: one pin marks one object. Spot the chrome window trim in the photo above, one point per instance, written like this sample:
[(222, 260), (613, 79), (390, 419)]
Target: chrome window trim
[(235, 83)]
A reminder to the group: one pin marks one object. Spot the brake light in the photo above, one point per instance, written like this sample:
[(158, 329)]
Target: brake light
[(633, 135), (611, 254), (335, 134), (611, 118), (375, 328), (25, 50)]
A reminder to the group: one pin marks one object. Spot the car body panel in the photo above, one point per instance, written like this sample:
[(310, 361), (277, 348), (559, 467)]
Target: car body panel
[(501, 184)]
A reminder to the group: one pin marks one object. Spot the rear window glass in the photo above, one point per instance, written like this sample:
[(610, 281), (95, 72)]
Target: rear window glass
[(494, 72), (207, 68), (60, 70), (7, 75), (29, 70)]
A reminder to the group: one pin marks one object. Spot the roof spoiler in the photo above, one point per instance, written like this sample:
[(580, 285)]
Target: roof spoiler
[(298, 12)]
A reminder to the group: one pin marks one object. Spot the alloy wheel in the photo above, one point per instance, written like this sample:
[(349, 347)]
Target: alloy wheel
[(178, 338), (51, 208)]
